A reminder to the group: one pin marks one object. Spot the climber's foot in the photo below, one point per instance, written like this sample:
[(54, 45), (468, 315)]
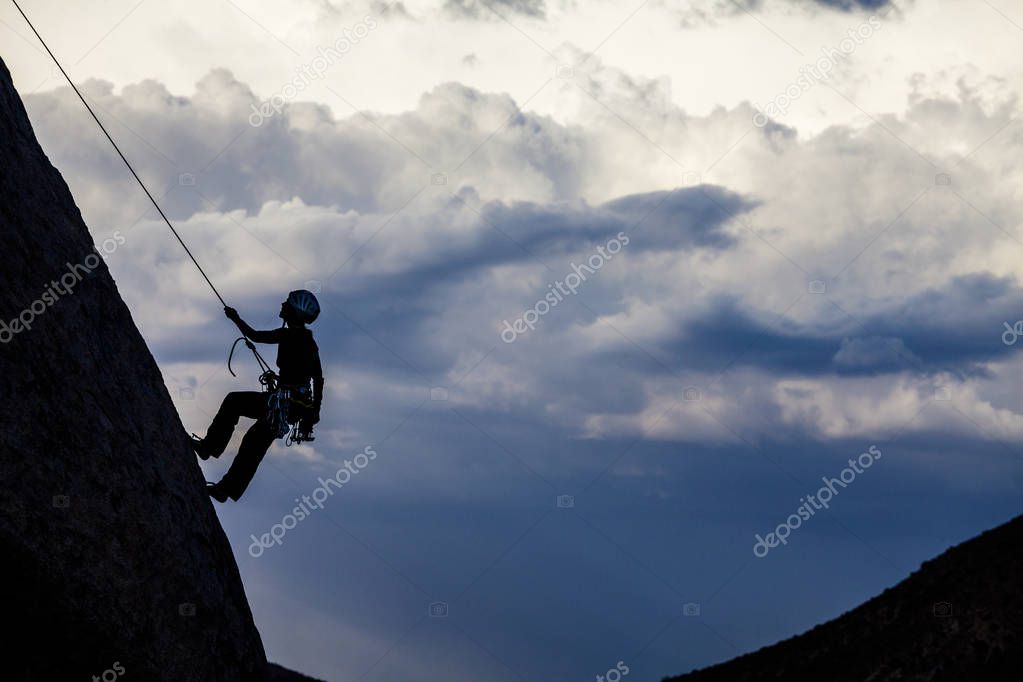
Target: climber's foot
[(197, 445), (215, 491)]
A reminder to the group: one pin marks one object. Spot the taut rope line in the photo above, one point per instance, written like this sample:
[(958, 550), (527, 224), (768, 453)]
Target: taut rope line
[(119, 153)]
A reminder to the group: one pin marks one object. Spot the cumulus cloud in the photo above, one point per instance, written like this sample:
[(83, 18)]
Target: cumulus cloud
[(873, 352), (702, 12), (425, 230), (854, 4), (842, 275), (875, 408), (477, 9)]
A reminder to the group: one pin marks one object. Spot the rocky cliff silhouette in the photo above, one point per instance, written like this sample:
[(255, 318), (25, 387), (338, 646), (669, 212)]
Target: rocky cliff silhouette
[(958, 618), (114, 560)]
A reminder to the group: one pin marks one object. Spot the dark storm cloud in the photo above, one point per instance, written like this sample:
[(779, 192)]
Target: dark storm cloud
[(397, 306), (955, 328), (728, 332), (526, 232), (400, 306), (687, 218)]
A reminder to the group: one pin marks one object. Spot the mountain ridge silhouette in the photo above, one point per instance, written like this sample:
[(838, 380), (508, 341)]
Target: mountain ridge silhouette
[(958, 617)]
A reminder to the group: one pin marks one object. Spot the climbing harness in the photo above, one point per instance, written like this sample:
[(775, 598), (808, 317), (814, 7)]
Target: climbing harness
[(279, 398), (281, 404)]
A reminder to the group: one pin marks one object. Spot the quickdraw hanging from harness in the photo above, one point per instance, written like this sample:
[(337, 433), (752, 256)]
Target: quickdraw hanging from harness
[(283, 403)]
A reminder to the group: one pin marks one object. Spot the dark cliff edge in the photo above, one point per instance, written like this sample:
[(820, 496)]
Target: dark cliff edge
[(959, 617), (113, 558)]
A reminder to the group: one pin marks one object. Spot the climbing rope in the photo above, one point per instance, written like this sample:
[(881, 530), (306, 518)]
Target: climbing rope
[(119, 153), (279, 398), (264, 367)]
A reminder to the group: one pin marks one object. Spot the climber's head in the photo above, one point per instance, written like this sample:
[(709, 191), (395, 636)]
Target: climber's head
[(300, 308)]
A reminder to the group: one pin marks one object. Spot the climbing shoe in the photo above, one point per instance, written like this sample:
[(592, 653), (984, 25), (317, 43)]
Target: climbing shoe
[(197, 445), (216, 492)]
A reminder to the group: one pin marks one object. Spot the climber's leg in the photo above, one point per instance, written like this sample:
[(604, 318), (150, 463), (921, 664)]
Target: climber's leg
[(251, 404), (256, 442)]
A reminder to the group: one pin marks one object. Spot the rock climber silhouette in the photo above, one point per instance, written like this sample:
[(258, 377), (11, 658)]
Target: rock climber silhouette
[(289, 400), (296, 397)]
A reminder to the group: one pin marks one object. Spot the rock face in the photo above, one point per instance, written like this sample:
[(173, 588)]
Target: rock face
[(114, 560), (960, 617)]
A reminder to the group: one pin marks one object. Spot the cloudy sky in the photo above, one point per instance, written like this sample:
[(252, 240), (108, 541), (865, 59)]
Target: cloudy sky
[(801, 221)]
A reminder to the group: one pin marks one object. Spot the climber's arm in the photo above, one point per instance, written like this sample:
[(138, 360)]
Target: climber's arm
[(269, 336)]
